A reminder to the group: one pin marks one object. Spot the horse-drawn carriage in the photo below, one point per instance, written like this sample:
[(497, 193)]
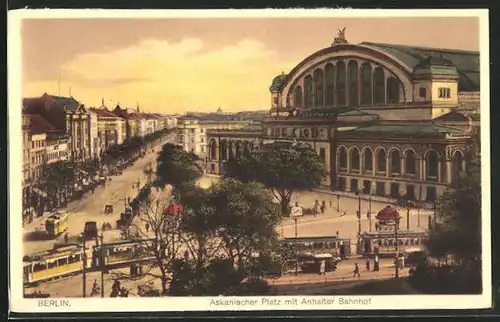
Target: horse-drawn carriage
[(108, 209)]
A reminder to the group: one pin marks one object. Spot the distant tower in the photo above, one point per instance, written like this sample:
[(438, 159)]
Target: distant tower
[(102, 102), (138, 110)]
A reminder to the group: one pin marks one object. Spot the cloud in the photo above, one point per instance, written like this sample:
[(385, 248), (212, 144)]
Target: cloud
[(179, 76)]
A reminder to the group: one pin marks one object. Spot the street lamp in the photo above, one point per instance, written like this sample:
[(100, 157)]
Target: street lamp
[(295, 214), (396, 227), (338, 203), (358, 193)]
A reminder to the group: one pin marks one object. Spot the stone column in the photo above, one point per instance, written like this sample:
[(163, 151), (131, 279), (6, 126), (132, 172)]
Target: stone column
[(374, 164), (449, 167), (422, 168), (403, 166), (440, 165), (348, 159), (387, 166)]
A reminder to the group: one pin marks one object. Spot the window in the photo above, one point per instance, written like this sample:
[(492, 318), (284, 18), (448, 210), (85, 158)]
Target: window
[(353, 83), (410, 192), (431, 193), (329, 82), (444, 92), (341, 183), (308, 84), (298, 96), (306, 133), (368, 160), (342, 158), (202, 140), (381, 161), (395, 162), (322, 154), (318, 87), (354, 185), (355, 159), (380, 189), (283, 132), (422, 92), (394, 190), (192, 131), (341, 83), (366, 84)]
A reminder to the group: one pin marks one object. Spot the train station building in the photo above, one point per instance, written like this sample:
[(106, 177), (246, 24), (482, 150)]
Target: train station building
[(387, 120)]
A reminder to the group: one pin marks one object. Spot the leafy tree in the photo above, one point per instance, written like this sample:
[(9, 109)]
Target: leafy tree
[(199, 232), (282, 170), (176, 166), (247, 218), (459, 212)]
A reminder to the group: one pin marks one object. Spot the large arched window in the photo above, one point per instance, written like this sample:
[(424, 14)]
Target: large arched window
[(353, 83), (213, 150), (410, 162), (381, 161), (239, 150), (395, 162), (341, 83), (308, 88), (318, 88), (329, 84), (368, 156), (355, 159), (246, 149), (298, 96), (366, 84), (342, 158), (392, 90), (230, 149), (432, 164), (223, 150), (379, 85)]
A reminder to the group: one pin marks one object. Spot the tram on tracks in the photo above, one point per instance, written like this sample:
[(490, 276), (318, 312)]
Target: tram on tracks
[(121, 253), (52, 264), (383, 243), (334, 245)]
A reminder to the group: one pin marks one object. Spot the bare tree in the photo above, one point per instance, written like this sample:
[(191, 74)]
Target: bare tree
[(153, 230)]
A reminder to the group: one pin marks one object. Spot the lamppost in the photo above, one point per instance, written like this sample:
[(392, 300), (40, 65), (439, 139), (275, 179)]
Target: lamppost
[(396, 227), (295, 214), (101, 262), (338, 203), (358, 193), (84, 266)]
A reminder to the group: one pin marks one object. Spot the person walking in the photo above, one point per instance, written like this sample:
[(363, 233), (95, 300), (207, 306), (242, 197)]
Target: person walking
[(330, 204), (147, 227), (367, 264), (322, 268), (323, 206), (356, 270)]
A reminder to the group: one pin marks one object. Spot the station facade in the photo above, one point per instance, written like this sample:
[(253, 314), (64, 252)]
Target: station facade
[(387, 120)]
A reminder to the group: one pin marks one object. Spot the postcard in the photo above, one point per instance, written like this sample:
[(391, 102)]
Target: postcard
[(240, 160)]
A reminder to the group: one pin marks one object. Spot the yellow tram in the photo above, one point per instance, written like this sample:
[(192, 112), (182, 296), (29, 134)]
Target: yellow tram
[(334, 245), (52, 264), (56, 224), (383, 243)]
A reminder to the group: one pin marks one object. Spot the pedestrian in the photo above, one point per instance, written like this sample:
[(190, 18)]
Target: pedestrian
[(147, 227), (330, 204), (356, 270), (337, 233), (323, 206), (368, 264), (140, 269), (376, 264), (322, 268)]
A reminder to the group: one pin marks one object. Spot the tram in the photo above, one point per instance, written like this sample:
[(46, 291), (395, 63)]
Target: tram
[(52, 264), (56, 224), (334, 245), (121, 252), (383, 243)]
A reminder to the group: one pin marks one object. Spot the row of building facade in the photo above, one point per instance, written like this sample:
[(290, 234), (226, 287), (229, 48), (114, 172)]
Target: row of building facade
[(56, 128), (387, 120)]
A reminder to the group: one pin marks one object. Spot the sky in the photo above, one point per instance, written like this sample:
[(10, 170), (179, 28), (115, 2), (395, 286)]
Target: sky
[(178, 65)]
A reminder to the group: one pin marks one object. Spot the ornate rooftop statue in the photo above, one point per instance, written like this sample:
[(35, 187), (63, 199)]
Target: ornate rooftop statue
[(340, 38)]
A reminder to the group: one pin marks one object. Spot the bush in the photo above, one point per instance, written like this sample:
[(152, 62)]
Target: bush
[(463, 278), (251, 287)]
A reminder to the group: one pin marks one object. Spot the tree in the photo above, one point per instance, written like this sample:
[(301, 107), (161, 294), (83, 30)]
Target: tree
[(157, 243), (176, 166), (459, 212), (247, 218), (282, 170), (199, 232), (58, 176)]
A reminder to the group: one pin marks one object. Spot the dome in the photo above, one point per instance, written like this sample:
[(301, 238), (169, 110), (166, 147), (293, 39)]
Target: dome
[(388, 213), (435, 65), (278, 81)]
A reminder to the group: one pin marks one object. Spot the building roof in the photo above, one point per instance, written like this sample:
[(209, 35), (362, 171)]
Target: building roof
[(39, 125), (103, 112), (278, 81), (68, 102), (388, 213), (466, 62), (406, 128), (453, 116)]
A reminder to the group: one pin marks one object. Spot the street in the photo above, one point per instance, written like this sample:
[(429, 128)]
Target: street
[(91, 206), (287, 285)]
